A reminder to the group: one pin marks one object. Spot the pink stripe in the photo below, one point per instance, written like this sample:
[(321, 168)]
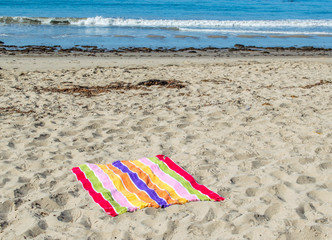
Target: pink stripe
[(189, 178), (97, 197), (108, 184), (182, 191)]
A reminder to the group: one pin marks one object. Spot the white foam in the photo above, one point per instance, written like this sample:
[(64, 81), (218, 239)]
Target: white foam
[(122, 22), (96, 21), (252, 31), (100, 21)]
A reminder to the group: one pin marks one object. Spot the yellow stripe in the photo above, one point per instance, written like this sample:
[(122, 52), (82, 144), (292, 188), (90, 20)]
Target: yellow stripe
[(159, 183), (132, 198)]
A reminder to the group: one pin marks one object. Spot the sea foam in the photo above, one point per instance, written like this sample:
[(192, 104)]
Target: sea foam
[(128, 22)]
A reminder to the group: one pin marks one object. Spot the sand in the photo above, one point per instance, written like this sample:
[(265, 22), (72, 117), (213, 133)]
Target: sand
[(255, 130)]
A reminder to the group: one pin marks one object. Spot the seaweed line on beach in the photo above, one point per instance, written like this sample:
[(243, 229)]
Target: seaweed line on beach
[(236, 50), (321, 82), (11, 110), (90, 91)]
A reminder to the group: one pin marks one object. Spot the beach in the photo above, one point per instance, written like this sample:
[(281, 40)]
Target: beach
[(253, 126)]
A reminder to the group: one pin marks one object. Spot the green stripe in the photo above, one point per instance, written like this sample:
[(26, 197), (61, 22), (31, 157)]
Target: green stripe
[(163, 166), (98, 186)]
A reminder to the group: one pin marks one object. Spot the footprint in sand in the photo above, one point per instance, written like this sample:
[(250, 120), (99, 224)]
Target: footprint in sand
[(46, 204), (32, 227), (86, 222), (305, 180), (148, 122), (322, 195), (23, 190), (61, 199), (251, 192), (65, 216), (5, 208), (245, 180), (42, 137), (272, 211), (304, 161), (282, 192), (325, 165), (93, 125)]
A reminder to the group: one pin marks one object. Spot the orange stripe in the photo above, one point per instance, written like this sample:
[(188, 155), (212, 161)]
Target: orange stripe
[(142, 175), (116, 180), (132, 187)]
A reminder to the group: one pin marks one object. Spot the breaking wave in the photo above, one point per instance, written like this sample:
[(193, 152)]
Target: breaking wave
[(123, 22)]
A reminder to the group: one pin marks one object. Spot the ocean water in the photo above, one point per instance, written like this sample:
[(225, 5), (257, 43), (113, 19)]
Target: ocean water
[(166, 23)]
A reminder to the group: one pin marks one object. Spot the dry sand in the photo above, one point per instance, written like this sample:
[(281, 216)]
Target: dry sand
[(256, 130)]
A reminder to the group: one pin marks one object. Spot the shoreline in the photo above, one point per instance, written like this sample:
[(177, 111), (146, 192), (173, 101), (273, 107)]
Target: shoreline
[(237, 51), (41, 58)]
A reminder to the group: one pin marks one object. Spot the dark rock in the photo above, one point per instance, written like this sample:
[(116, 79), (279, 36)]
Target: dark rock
[(239, 46), (87, 46), (60, 22), (31, 21), (165, 83), (153, 82)]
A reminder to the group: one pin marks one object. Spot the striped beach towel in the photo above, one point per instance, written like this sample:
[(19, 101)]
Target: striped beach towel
[(125, 186)]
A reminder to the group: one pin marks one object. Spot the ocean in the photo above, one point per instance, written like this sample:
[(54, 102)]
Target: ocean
[(178, 24)]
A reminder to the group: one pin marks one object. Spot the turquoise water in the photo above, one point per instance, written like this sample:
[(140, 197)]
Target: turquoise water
[(179, 24)]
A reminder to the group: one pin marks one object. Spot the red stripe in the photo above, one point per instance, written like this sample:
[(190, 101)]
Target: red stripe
[(97, 197), (189, 178)]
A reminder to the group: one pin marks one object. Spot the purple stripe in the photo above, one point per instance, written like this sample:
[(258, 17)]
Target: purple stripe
[(180, 190), (140, 184)]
